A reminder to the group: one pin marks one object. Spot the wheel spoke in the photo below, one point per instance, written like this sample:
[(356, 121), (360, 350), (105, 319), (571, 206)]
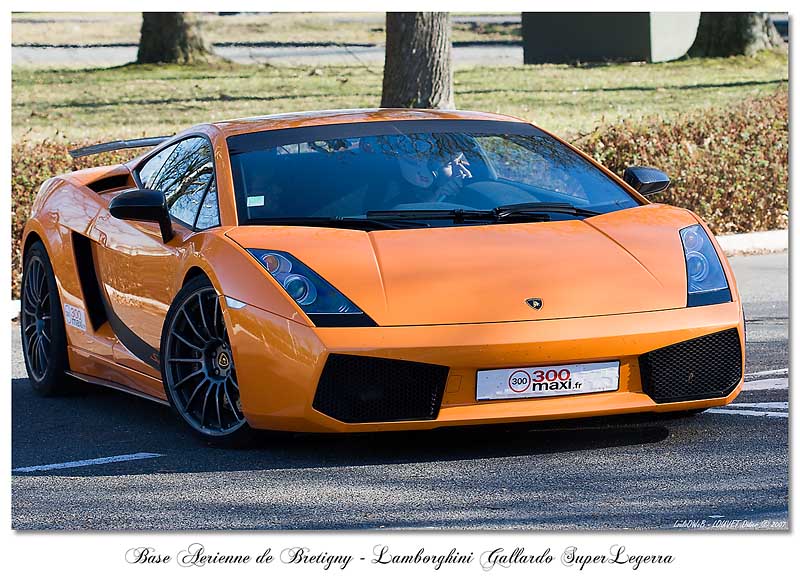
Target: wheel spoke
[(37, 354), (205, 404), (30, 294), (194, 393), (217, 395), (43, 355), (203, 338), (187, 342), (31, 282), (185, 360), (41, 283), (231, 402), (190, 376), (203, 315), (31, 348)]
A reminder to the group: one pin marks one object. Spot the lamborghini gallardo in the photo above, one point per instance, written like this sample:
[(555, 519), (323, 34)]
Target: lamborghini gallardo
[(376, 270)]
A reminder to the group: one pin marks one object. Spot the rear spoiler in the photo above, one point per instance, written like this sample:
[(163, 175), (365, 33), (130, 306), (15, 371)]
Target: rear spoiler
[(124, 144)]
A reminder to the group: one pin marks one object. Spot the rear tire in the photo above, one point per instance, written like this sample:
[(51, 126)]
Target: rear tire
[(44, 338), (198, 370)]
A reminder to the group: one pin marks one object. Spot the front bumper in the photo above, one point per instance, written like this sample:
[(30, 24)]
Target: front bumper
[(279, 363)]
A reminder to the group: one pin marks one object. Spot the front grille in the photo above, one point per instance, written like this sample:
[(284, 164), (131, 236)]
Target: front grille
[(365, 389), (705, 367)]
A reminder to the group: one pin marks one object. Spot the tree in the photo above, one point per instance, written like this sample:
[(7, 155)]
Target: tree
[(171, 37), (418, 70), (724, 34)]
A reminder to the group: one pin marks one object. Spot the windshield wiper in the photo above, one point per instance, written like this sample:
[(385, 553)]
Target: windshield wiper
[(457, 214), (515, 210), (336, 222), (526, 210)]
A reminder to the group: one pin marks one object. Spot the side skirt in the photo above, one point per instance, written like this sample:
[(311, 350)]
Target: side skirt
[(115, 386)]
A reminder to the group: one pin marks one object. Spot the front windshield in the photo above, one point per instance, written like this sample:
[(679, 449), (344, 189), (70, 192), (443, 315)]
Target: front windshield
[(353, 170)]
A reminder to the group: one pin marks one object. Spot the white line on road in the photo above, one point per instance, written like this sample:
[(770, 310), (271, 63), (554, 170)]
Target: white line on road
[(763, 409), (771, 384), (767, 405), (100, 461), (778, 372), (747, 412)]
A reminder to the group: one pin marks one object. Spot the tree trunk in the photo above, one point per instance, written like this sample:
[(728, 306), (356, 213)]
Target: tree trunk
[(418, 71), (171, 37), (724, 34)]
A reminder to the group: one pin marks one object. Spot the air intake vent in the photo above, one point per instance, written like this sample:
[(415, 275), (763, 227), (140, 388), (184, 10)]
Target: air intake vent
[(365, 389), (705, 367), (110, 183)]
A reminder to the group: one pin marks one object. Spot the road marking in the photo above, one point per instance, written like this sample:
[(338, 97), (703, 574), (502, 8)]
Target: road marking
[(765, 413), (99, 461), (778, 372), (768, 405), (771, 384)]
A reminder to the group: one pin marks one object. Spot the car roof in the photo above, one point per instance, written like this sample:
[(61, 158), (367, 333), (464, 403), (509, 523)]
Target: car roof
[(334, 116)]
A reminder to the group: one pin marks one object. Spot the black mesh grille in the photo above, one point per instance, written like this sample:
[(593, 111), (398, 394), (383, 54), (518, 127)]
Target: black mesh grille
[(705, 367), (365, 389)]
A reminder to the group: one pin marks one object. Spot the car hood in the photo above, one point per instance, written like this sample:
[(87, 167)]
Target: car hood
[(621, 262)]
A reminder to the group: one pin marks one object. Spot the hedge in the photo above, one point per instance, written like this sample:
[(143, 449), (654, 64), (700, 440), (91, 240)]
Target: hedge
[(729, 165)]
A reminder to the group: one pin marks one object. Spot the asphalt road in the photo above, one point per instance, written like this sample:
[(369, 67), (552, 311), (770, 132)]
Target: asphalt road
[(464, 54), (285, 55), (715, 467)]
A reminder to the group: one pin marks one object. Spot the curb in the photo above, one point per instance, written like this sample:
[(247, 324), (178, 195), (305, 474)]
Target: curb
[(768, 241)]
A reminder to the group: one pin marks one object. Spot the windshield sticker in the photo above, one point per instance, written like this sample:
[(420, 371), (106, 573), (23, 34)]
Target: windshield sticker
[(255, 201)]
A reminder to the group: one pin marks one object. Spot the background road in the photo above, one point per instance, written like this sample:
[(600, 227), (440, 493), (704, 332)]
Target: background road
[(728, 464), (272, 53), (505, 53)]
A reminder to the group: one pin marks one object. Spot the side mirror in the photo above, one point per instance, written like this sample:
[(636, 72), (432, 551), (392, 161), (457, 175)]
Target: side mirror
[(646, 180), (144, 205)]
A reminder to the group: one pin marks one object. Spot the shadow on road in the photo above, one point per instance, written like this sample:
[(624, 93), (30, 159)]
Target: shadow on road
[(98, 422)]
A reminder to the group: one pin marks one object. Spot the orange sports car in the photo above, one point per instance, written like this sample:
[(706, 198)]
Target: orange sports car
[(376, 270)]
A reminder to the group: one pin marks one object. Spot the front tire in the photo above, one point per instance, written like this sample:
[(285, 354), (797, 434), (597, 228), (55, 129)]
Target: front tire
[(44, 338), (197, 367)]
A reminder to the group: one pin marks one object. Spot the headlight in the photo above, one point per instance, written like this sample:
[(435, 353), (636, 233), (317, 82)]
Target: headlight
[(322, 302), (704, 275)]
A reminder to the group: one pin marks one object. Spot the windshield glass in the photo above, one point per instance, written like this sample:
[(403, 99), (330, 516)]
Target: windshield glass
[(348, 171)]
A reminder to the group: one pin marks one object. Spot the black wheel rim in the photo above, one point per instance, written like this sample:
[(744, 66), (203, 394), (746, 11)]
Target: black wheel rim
[(200, 375), (37, 319)]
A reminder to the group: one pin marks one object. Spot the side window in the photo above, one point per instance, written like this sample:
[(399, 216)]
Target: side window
[(185, 177), (149, 172), (209, 211)]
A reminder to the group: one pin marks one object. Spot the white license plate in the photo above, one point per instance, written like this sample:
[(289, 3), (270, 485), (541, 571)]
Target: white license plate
[(548, 381)]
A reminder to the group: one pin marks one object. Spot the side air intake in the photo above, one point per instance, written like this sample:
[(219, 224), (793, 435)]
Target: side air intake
[(365, 389), (705, 367)]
